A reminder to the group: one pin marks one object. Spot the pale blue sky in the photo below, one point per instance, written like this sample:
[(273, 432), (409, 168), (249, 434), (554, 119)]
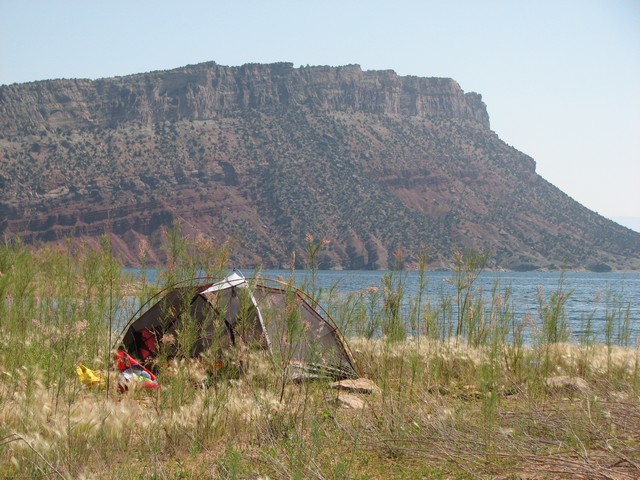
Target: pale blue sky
[(561, 78)]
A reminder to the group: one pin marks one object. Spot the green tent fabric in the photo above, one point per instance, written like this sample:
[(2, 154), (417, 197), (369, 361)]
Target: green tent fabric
[(234, 314)]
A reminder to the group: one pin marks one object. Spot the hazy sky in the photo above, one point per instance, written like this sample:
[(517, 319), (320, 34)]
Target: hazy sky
[(561, 78)]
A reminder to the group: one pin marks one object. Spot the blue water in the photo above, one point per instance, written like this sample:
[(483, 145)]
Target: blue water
[(594, 296)]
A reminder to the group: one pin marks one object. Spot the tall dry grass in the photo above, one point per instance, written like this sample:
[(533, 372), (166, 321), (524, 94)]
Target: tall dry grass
[(456, 401)]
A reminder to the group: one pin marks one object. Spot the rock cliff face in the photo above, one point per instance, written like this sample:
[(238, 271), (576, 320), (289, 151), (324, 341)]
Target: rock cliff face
[(262, 155), (206, 91)]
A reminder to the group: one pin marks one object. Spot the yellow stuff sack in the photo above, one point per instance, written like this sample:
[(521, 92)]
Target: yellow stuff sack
[(88, 377)]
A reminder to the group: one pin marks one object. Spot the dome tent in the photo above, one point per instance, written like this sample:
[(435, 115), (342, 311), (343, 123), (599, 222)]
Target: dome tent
[(221, 317)]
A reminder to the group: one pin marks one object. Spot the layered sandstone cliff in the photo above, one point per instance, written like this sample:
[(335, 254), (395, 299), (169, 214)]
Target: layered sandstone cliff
[(206, 91)]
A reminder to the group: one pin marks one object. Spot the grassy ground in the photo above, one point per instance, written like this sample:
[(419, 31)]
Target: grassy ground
[(463, 397)]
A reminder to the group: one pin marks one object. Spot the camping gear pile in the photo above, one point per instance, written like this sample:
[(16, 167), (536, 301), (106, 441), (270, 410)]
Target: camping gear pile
[(133, 373), (223, 319)]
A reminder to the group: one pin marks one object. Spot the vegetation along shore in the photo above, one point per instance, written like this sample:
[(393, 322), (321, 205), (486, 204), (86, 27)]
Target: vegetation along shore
[(461, 388)]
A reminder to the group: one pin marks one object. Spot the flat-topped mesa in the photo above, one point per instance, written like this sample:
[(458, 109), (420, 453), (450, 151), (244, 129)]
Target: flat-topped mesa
[(207, 90), (260, 156)]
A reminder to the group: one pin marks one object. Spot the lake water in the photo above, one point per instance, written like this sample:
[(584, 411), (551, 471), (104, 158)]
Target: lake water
[(592, 295)]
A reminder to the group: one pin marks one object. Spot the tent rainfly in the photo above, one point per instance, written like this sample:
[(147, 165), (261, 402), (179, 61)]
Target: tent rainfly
[(219, 318)]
